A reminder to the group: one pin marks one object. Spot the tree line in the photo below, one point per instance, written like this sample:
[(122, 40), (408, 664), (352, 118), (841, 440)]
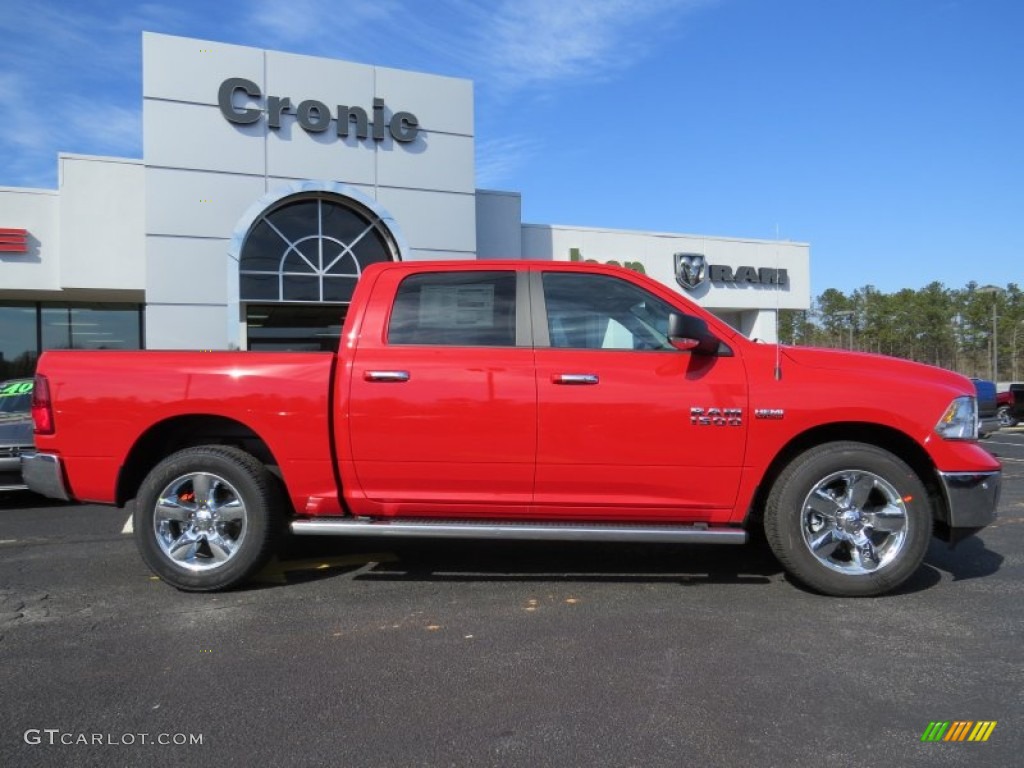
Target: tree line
[(954, 328)]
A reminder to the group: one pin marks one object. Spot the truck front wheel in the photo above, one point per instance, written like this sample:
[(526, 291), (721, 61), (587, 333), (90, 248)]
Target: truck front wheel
[(849, 519), (206, 518)]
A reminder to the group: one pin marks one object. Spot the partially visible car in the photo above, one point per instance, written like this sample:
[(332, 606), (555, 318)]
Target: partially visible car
[(15, 431), (988, 412), (1004, 403)]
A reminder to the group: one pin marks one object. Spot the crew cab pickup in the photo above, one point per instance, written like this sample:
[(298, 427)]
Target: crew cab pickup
[(520, 400)]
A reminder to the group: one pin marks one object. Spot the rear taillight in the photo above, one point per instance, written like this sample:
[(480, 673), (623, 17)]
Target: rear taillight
[(42, 408)]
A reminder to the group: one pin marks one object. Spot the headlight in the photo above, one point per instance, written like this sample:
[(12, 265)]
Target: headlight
[(960, 421)]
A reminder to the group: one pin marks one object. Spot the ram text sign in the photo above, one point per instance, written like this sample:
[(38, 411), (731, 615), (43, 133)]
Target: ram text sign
[(692, 270)]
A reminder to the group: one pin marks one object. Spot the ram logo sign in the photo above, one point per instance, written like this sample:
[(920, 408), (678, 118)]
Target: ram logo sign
[(689, 269), (692, 270)]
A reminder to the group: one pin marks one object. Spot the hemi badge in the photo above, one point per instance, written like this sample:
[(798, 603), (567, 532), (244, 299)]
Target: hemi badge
[(775, 414)]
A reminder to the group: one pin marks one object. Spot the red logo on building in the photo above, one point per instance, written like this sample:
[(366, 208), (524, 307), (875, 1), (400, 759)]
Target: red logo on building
[(13, 240)]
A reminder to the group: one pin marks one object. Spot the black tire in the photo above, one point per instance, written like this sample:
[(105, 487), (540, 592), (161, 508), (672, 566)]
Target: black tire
[(849, 519), (217, 509), (1006, 419)]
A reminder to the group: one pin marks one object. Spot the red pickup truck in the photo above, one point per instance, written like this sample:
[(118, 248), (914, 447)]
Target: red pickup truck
[(1010, 407), (520, 400)]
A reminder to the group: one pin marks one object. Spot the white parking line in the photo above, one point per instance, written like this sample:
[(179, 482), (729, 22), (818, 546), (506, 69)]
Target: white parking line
[(128, 526)]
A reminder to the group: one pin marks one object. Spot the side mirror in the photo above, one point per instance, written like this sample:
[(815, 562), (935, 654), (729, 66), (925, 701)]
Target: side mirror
[(690, 334)]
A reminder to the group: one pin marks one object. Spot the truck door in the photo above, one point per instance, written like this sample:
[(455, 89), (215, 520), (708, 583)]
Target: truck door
[(616, 407), (442, 411)]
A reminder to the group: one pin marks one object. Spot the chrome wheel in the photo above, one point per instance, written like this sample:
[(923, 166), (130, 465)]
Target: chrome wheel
[(1005, 419), (199, 521), (854, 522)]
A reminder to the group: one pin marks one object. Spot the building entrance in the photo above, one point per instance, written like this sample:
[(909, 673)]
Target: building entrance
[(291, 328)]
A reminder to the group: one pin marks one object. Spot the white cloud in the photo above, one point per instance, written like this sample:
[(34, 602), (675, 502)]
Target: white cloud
[(105, 128), (320, 22), (76, 87), (536, 42), (498, 159), (25, 130), (10, 87), (508, 44)]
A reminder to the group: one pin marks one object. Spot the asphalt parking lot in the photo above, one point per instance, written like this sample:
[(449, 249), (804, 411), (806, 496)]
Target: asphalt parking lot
[(502, 654)]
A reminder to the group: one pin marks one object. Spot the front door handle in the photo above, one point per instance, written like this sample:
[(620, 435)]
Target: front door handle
[(393, 377), (574, 378)]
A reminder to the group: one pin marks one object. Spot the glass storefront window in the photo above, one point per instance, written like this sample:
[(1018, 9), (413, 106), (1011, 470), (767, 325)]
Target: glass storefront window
[(91, 326), (283, 327), (19, 345), (26, 329), (56, 328)]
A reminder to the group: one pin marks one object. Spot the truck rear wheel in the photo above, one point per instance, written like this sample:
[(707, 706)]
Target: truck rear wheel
[(849, 519), (207, 518)]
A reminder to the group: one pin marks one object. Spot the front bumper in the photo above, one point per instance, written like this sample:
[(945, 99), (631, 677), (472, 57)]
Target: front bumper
[(971, 498), (44, 474)]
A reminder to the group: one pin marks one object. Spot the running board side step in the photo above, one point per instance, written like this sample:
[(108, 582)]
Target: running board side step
[(692, 534)]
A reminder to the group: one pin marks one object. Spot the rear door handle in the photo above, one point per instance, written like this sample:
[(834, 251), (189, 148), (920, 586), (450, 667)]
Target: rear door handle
[(394, 377), (574, 378)]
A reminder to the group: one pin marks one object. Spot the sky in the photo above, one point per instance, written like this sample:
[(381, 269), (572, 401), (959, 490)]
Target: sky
[(887, 134)]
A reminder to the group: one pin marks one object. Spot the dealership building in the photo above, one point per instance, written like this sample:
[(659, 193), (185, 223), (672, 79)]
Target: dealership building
[(269, 181)]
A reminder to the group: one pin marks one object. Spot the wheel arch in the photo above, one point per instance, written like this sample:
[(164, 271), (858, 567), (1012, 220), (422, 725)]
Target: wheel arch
[(880, 436), (185, 431)]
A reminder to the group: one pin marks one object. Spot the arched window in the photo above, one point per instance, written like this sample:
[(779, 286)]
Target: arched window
[(311, 248)]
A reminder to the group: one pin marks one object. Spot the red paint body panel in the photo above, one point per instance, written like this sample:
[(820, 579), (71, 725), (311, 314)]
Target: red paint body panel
[(104, 401), (629, 440), (460, 435), (462, 430), (478, 432)]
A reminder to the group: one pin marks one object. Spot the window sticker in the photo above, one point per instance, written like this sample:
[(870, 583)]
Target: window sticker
[(15, 388), (456, 306)]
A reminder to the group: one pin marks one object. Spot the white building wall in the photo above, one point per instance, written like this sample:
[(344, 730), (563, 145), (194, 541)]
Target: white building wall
[(203, 172), (761, 324), (101, 223), (38, 211), (499, 228)]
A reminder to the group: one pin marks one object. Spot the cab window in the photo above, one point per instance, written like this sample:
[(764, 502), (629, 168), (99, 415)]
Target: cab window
[(471, 309), (601, 312)]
